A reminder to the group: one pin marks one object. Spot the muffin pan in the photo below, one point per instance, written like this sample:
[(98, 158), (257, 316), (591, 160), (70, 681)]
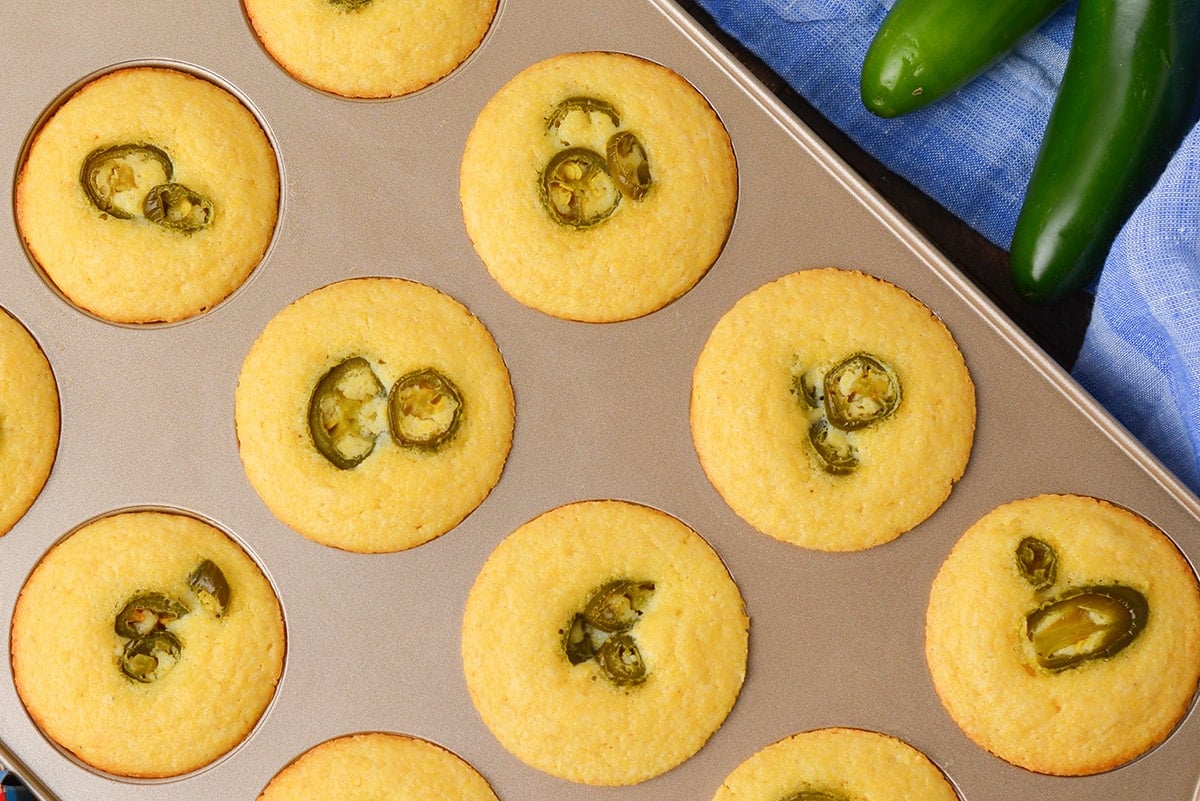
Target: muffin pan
[(370, 188)]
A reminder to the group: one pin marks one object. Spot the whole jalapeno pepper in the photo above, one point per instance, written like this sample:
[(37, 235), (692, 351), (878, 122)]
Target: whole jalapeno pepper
[(925, 49), (1127, 98)]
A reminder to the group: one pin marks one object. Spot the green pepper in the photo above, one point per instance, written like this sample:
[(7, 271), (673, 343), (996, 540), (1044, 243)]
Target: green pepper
[(925, 49), (1127, 98)]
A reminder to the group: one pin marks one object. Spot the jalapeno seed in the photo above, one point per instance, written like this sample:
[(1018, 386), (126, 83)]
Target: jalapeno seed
[(150, 657), (177, 208), (860, 391), (345, 414), (1086, 623), (424, 409), (618, 605), (211, 587), (576, 188), (116, 178), (621, 661), (147, 612), (628, 164), (1037, 562)]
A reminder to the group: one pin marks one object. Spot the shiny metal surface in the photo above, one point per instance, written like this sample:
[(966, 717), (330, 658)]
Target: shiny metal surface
[(370, 188)]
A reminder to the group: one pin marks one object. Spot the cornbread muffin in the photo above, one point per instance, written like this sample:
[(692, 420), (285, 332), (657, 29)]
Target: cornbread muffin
[(147, 644), (370, 48), (832, 410), (1063, 634), (381, 767), (149, 195), (586, 629), (834, 764), (598, 186), (29, 421), (374, 414)]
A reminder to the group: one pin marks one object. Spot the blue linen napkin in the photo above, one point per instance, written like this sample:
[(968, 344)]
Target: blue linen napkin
[(973, 153)]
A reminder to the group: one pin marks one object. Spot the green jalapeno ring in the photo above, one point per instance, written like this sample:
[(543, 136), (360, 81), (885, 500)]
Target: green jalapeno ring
[(148, 658), (628, 164), (109, 171), (425, 409), (146, 612), (1086, 623), (584, 104), (837, 454), (815, 795), (340, 412), (1037, 562), (621, 660), (209, 584), (860, 391), (577, 189), (177, 208), (618, 605)]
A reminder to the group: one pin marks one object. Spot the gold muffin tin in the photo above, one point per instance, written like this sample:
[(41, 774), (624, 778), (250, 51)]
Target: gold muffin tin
[(370, 188)]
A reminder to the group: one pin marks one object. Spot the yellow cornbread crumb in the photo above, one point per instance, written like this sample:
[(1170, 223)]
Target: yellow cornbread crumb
[(66, 652), (29, 421), (372, 49), (1093, 716), (572, 720), (649, 250), (397, 497), (752, 425), (133, 270), (378, 765), (841, 762)]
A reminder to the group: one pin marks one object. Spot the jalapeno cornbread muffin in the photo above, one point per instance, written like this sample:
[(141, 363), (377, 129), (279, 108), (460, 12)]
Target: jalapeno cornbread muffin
[(378, 766), (832, 410), (586, 630), (1063, 634), (374, 414), (370, 48), (837, 764), (147, 643), (29, 421), (149, 195), (598, 186)]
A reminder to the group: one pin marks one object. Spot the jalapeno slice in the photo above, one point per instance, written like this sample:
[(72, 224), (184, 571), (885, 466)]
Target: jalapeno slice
[(211, 587), (628, 164), (860, 391), (116, 178), (147, 612), (602, 631), (178, 208), (424, 409), (815, 795), (150, 657), (343, 414), (837, 453), (577, 641), (584, 104), (1037, 562), (576, 188), (350, 5), (618, 605), (621, 661), (1086, 623)]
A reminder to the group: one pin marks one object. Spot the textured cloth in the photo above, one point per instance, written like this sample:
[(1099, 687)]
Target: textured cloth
[(973, 152)]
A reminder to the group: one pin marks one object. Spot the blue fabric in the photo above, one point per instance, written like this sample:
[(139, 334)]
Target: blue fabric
[(973, 153)]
